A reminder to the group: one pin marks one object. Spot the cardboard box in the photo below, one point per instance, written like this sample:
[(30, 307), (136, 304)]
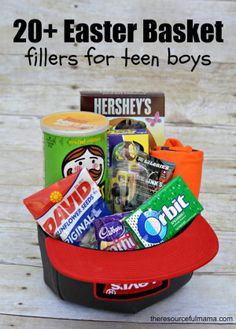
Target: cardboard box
[(148, 108)]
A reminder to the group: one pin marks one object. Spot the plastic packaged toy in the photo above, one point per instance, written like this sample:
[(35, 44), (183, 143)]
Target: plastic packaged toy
[(123, 177), (135, 176), (153, 175), (116, 136)]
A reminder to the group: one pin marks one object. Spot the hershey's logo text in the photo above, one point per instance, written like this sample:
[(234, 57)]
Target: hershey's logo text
[(123, 106)]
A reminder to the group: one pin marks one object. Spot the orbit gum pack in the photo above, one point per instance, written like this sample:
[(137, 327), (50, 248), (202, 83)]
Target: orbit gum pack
[(68, 208), (164, 214)]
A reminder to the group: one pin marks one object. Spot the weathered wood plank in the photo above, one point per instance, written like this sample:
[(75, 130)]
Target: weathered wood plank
[(20, 246), (24, 133), (20, 164), (190, 98), (162, 11), (211, 182), (218, 175), (7, 321), (29, 172), (219, 208), (25, 294)]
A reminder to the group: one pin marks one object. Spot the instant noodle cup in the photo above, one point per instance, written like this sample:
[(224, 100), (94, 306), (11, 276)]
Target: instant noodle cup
[(72, 141)]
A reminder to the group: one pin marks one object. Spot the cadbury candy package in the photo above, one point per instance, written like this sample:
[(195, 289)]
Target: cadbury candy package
[(111, 233), (68, 208)]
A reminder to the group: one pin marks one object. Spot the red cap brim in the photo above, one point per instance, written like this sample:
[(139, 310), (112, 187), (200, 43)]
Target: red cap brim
[(188, 251)]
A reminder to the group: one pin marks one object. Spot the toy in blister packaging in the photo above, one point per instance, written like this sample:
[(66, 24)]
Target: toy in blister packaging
[(111, 234), (135, 176), (123, 191), (116, 136), (123, 177), (153, 175), (163, 215), (68, 208)]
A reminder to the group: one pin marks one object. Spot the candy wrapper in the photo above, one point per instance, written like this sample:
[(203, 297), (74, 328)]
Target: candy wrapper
[(68, 208), (111, 233), (164, 214)]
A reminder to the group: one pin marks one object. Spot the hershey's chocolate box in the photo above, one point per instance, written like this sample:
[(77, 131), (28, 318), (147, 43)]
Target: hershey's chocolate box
[(129, 110)]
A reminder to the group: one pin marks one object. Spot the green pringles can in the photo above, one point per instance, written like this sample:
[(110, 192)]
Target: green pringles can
[(75, 140)]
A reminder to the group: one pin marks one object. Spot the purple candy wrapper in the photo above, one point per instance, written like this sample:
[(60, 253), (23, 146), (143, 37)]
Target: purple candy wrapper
[(111, 233)]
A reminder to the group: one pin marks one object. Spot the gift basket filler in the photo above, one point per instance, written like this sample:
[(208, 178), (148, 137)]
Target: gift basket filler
[(119, 221)]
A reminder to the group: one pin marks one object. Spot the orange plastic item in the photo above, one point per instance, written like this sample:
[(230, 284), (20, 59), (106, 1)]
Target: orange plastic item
[(188, 162)]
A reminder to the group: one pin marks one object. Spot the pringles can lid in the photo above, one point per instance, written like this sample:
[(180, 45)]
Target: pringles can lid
[(74, 124)]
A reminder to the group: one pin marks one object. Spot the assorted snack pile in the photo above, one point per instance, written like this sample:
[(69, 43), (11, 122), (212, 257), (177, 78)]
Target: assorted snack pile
[(107, 188)]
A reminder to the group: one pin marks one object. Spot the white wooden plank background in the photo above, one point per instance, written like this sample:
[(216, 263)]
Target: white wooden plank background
[(200, 109), (29, 323), (122, 11)]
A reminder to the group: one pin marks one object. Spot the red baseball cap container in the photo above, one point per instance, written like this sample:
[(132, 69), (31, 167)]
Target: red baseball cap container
[(126, 281)]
